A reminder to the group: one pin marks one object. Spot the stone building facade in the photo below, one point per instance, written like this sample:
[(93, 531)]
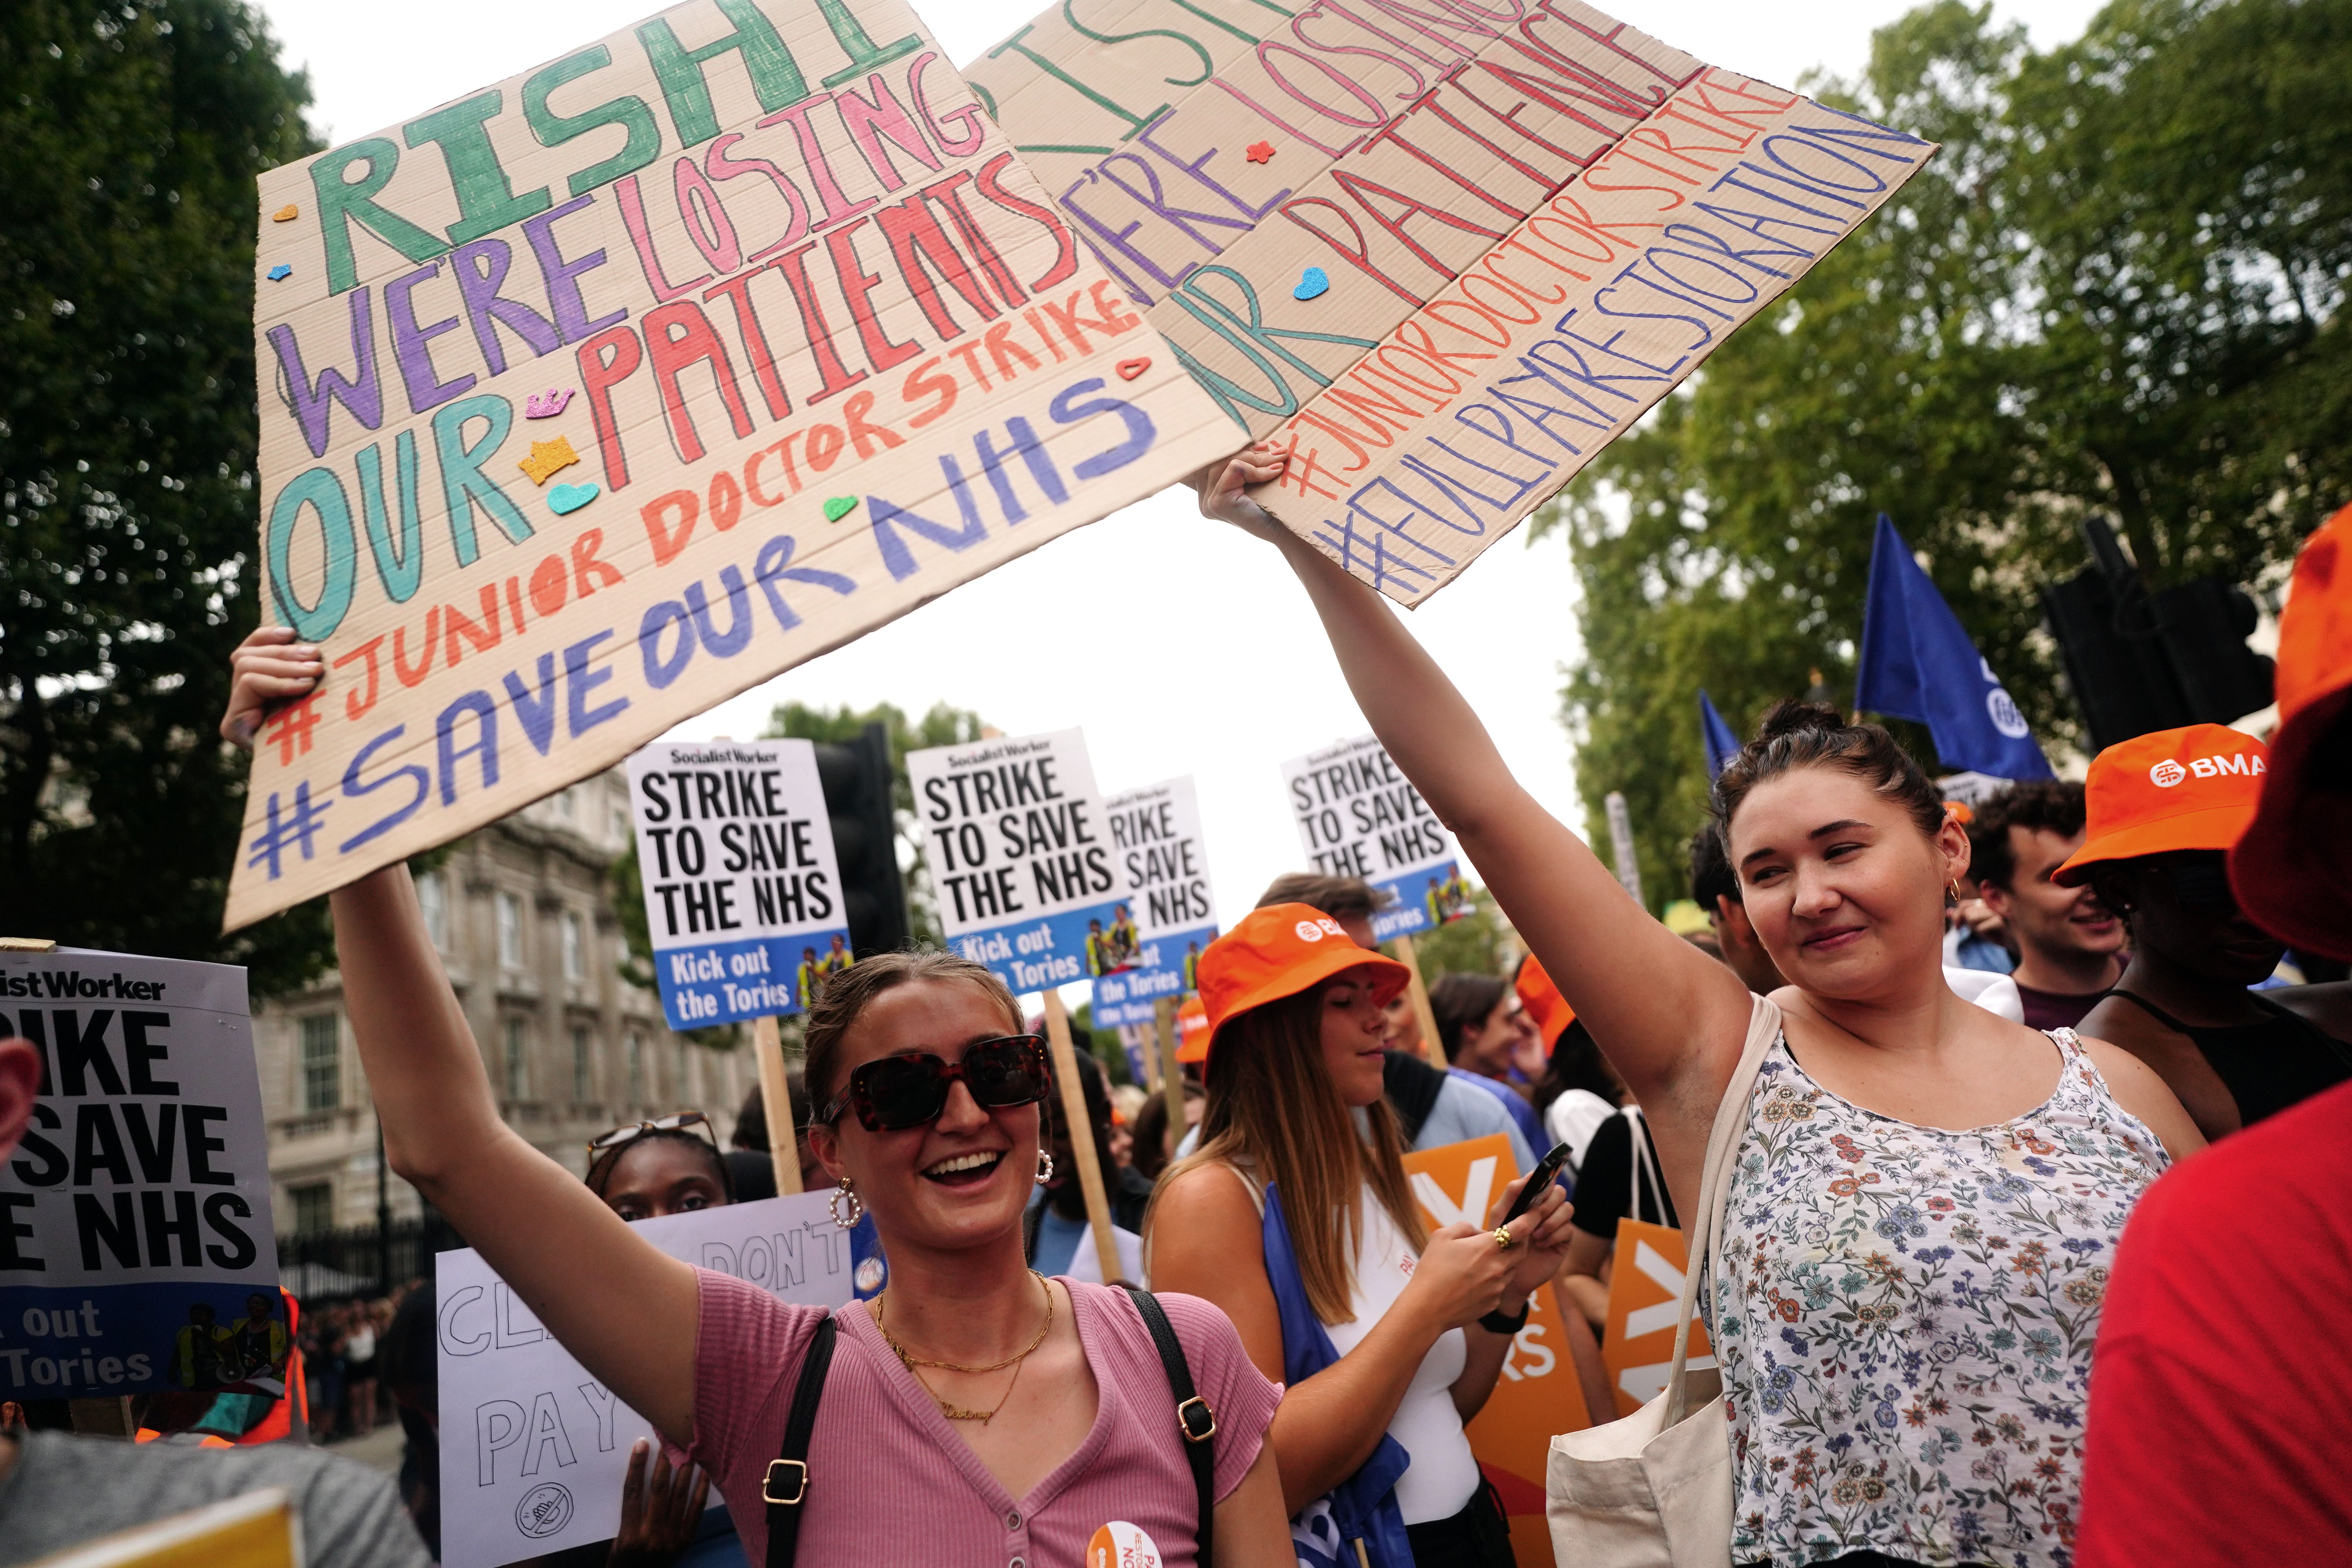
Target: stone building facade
[(522, 913)]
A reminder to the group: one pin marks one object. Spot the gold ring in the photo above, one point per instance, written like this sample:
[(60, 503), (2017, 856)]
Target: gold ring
[(1503, 1238)]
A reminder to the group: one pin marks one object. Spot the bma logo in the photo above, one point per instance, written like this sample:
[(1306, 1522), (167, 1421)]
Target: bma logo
[(2005, 715), (2166, 774), (1315, 930)]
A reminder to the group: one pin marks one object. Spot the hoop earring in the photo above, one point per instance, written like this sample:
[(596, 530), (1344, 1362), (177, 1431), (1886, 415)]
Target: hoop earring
[(857, 1208), (1045, 1166), (1952, 894)]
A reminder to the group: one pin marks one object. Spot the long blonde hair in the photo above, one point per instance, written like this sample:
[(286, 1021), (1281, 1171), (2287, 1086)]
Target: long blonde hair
[(1274, 1110)]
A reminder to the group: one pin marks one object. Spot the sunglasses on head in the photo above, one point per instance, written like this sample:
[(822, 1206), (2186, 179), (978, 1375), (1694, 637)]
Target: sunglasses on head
[(893, 1093), (683, 1120)]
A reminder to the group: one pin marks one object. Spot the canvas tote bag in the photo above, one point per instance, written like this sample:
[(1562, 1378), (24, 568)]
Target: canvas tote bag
[(1654, 1489)]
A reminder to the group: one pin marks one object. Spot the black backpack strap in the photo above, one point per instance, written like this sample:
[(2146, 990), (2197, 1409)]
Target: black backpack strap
[(1193, 1418), (786, 1488)]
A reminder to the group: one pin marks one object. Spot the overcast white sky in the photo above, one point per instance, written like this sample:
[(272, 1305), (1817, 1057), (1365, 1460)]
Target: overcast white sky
[(1180, 646)]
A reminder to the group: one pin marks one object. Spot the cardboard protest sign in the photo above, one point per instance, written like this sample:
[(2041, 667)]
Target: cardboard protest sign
[(1358, 816), (1169, 913), (1021, 856), (1443, 253), (136, 1253), (1536, 1395), (533, 1450), (1645, 1287), (742, 894), (605, 392)]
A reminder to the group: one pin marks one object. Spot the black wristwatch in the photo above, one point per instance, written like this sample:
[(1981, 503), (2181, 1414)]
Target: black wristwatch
[(1504, 1324)]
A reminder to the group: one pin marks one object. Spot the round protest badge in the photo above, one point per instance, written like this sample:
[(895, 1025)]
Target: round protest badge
[(1119, 1544)]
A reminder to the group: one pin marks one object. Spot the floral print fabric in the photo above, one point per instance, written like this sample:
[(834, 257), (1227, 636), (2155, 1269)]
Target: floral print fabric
[(1903, 1317)]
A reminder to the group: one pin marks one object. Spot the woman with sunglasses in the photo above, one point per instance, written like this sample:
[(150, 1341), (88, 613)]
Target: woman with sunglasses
[(972, 1413), (647, 1170), (1295, 1217)]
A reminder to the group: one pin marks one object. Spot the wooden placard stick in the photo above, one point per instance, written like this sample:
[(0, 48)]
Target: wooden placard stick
[(1155, 1060), (1432, 1046), (1082, 1133), (1171, 1072), (776, 1103)]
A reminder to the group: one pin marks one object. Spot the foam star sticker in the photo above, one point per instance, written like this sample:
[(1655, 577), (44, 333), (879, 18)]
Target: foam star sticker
[(548, 457), (1261, 152)]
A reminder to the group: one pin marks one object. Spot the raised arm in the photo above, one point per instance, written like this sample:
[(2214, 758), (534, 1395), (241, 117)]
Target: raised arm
[(594, 1286), (1670, 1019)]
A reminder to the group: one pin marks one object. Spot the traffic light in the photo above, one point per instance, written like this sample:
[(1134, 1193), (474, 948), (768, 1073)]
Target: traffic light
[(856, 777), (2140, 660)]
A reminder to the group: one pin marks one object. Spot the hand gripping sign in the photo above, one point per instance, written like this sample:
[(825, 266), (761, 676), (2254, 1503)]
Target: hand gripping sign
[(742, 896), (1168, 916), (1442, 252), (135, 1250), (1358, 816), (1021, 856), (598, 395)]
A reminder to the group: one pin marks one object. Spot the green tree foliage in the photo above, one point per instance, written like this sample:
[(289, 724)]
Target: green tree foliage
[(1475, 945), (130, 137), (2118, 289)]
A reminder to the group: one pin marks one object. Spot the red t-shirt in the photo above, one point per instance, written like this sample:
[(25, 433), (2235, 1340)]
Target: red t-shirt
[(2220, 1421)]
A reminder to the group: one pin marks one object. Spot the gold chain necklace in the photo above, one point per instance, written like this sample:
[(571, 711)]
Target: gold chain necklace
[(1015, 1361)]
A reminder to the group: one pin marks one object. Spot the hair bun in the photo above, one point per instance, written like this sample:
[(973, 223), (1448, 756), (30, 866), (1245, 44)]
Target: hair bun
[(1789, 717)]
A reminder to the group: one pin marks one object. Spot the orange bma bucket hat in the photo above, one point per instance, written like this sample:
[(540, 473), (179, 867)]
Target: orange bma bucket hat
[(2292, 870), (1543, 1001), (1192, 1030), (2190, 788), (1280, 951)]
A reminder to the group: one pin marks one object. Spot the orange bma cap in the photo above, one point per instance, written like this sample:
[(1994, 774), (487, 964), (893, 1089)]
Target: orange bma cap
[(1192, 1030), (1543, 1001), (2292, 870), (2190, 788), (1280, 951)]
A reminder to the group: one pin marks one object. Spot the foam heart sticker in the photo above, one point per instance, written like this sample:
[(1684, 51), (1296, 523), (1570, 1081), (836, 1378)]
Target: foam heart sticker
[(286, 214), (279, 273), (1128, 369), (838, 506), (1312, 282), (571, 498)]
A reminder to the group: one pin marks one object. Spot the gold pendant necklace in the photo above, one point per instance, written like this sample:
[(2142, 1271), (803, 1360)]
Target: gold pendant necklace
[(1016, 1361)]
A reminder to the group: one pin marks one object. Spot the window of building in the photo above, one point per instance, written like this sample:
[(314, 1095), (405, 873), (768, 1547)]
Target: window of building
[(563, 802), (314, 1207), (636, 1054), (517, 1064), (322, 1062), (575, 947), (583, 1085), (509, 931), (433, 898)]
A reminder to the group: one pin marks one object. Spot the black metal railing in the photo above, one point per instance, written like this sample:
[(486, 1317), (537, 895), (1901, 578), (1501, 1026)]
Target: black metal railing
[(329, 1266)]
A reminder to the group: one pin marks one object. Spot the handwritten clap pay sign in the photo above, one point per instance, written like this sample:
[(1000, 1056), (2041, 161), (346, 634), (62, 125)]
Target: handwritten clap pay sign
[(1443, 253), (785, 262)]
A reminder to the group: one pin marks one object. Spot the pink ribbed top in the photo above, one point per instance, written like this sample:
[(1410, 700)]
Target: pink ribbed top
[(890, 1482)]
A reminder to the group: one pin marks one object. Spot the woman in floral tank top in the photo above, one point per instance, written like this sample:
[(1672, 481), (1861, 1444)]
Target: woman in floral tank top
[(1927, 1197)]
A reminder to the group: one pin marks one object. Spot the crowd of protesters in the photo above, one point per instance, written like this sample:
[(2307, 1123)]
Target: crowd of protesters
[(1976, 1293)]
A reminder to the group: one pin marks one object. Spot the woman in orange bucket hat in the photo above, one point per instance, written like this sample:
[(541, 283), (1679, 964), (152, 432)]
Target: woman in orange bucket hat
[(1295, 1217)]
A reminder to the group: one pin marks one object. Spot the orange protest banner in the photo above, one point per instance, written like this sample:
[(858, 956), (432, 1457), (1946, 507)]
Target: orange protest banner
[(1645, 1289), (1537, 1394)]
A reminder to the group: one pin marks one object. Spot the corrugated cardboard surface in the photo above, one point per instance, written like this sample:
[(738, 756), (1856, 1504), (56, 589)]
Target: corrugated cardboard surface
[(1477, 182), (802, 267)]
